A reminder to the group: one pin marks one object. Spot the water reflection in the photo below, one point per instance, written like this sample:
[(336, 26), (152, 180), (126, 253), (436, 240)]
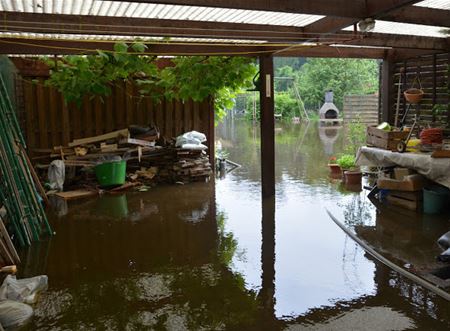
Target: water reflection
[(216, 257), (319, 272)]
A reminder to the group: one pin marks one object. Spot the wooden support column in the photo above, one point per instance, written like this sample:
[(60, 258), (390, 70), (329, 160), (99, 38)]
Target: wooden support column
[(387, 82), (267, 126)]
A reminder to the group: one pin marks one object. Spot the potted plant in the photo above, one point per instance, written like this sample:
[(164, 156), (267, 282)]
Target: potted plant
[(352, 175), (334, 167)]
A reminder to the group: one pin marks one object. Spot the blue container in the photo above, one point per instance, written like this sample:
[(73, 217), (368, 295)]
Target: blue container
[(435, 199)]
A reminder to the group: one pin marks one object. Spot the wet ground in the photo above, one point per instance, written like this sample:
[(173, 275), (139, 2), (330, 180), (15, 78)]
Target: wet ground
[(214, 256)]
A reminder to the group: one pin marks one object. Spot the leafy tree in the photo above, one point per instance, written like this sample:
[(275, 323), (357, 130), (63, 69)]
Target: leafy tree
[(343, 76)]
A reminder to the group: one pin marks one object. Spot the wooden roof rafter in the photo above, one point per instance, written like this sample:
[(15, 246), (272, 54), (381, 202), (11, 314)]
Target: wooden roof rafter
[(267, 37)]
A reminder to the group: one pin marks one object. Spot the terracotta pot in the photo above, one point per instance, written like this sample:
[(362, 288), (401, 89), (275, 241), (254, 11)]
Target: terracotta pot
[(335, 169), (413, 95), (353, 177)]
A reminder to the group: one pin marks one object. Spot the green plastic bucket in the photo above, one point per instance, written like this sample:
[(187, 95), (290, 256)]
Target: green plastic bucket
[(435, 200), (111, 173)]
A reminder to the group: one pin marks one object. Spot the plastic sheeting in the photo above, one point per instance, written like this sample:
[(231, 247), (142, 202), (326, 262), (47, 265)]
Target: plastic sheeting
[(22, 290), (444, 242), (14, 296), (435, 169), (56, 174), (14, 314), (191, 140)]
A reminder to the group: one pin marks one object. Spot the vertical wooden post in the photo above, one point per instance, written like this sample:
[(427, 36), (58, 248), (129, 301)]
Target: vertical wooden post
[(267, 125), (386, 89)]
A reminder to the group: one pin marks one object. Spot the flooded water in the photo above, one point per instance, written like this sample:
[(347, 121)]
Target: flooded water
[(214, 256)]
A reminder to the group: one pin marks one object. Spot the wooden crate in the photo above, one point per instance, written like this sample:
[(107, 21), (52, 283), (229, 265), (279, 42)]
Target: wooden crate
[(384, 139), (408, 200)]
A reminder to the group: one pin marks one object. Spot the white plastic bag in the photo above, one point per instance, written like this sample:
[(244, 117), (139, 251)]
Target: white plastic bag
[(192, 137), (56, 174), (22, 290), (14, 314), (199, 147)]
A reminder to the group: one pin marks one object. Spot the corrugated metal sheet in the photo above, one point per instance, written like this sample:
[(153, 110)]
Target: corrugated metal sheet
[(148, 10), (438, 4), (406, 29)]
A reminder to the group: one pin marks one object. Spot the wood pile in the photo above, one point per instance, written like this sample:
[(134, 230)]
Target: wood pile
[(150, 159)]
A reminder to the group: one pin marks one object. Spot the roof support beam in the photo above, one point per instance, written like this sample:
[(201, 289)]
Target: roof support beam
[(398, 41), (63, 47), (126, 26), (420, 15), (375, 9)]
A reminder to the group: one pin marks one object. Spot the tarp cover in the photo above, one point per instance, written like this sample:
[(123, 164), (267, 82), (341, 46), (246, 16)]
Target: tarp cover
[(437, 170)]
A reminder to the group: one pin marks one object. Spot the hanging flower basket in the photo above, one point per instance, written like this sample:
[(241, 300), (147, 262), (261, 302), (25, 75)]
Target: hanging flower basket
[(413, 95)]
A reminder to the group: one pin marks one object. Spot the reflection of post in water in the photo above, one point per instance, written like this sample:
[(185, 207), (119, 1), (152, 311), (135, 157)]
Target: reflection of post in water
[(267, 292)]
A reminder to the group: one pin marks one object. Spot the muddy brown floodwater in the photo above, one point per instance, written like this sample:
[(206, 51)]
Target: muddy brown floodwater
[(214, 256)]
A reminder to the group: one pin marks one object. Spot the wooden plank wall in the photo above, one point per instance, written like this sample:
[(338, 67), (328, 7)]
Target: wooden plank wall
[(362, 107), (433, 71), (49, 122)]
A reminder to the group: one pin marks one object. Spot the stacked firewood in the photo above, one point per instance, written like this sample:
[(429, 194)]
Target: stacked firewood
[(150, 159)]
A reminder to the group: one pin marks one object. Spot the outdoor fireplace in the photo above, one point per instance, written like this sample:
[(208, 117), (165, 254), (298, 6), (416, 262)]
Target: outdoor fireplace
[(328, 111)]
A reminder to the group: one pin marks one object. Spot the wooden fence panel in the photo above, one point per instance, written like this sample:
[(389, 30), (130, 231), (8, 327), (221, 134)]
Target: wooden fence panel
[(433, 72), (49, 122), (361, 107)]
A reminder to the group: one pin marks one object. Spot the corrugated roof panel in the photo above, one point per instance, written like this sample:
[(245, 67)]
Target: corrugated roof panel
[(438, 4), (175, 12), (405, 29)]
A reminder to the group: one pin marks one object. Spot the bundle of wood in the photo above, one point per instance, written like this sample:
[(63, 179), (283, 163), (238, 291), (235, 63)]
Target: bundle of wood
[(171, 165), (147, 162)]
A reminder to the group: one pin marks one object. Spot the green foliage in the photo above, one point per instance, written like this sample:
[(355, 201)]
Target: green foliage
[(356, 136), (76, 76), (285, 104), (343, 76), (196, 77), (346, 161)]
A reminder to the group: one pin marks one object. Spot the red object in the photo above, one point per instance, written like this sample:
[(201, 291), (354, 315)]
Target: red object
[(431, 136)]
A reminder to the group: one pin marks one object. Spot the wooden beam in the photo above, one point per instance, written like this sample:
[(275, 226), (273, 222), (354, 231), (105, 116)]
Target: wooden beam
[(267, 124), (65, 47), (386, 92), (127, 26), (420, 15), (374, 8), (398, 41), (316, 7)]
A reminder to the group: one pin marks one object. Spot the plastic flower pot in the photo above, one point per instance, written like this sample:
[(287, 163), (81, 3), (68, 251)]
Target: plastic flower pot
[(352, 177)]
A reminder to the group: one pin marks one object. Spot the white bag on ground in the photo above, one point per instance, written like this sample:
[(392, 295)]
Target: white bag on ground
[(14, 314), (22, 290), (56, 174)]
